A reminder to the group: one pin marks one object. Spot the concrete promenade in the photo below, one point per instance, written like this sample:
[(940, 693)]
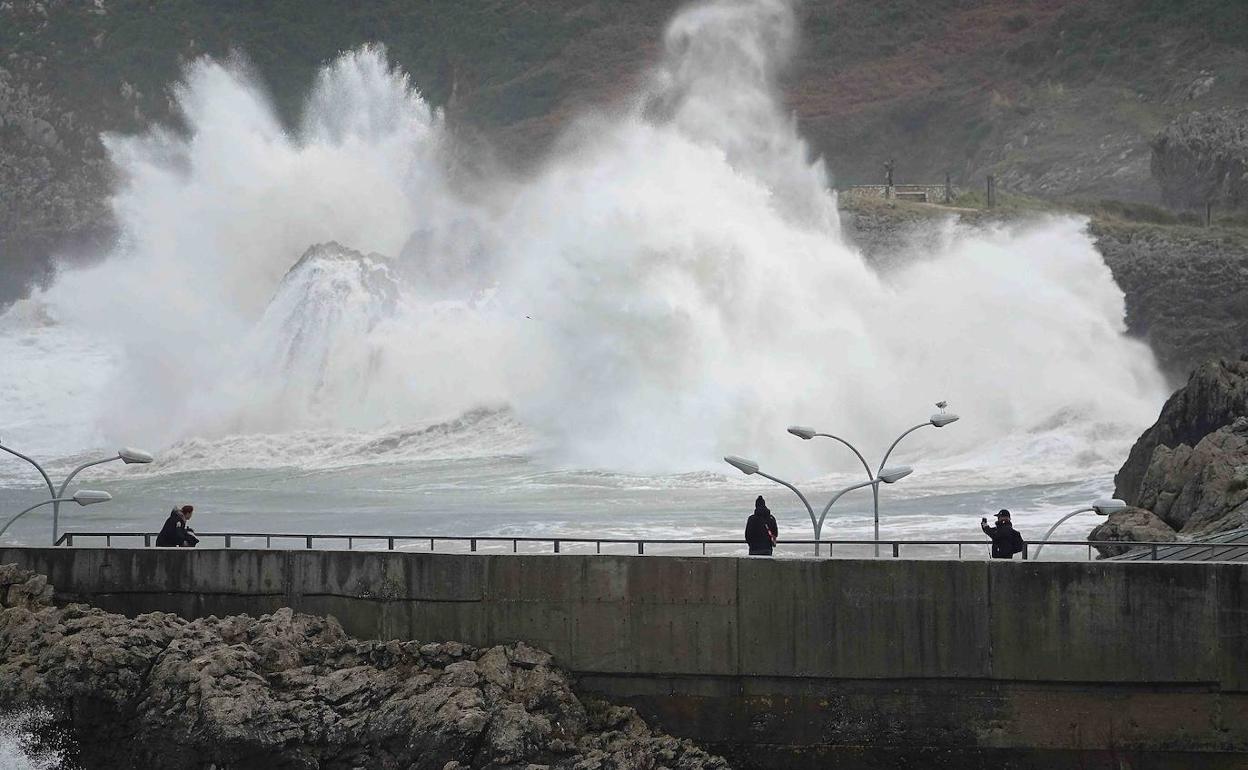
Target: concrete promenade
[(789, 663)]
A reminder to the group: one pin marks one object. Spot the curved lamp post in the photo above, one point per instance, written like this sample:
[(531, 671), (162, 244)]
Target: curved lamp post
[(1102, 507), (936, 421), (886, 475), (127, 455), (82, 497)]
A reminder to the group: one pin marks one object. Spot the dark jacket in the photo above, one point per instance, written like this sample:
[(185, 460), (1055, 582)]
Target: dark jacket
[(1005, 540), (761, 531), (175, 534)]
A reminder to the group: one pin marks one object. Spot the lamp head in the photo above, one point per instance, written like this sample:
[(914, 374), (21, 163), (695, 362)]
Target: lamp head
[(1107, 505), (130, 455), (748, 467), (802, 432), (897, 473), (942, 419), (91, 496)]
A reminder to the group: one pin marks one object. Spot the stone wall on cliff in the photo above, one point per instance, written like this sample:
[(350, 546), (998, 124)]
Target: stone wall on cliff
[(295, 691)]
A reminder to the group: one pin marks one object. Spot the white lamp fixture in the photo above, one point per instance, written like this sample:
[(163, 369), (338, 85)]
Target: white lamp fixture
[(884, 475)]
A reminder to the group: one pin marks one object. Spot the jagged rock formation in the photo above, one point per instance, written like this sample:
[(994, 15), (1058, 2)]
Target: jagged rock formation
[(1214, 396), (294, 691), (1202, 157), (1201, 489), (1187, 475)]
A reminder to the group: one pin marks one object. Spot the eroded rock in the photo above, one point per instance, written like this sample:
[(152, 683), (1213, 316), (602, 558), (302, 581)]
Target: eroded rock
[(1215, 395), (295, 691), (1133, 524)]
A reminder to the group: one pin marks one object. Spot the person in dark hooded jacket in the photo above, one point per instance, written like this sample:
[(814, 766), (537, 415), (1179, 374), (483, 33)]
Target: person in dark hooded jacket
[(761, 530), (175, 533), (1006, 541)]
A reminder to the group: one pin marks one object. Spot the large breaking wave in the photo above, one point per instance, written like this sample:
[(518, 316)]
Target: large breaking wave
[(669, 286)]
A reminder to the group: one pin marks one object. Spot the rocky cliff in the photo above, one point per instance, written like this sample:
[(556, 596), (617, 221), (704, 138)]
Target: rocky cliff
[(1186, 289), (1215, 394), (1202, 157), (294, 691), (1187, 475)]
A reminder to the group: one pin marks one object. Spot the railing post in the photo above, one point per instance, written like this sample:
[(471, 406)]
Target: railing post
[(556, 546), (147, 541), (309, 538), (227, 541), (108, 541), (472, 545), (704, 548), (268, 541), (69, 540), (641, 547), (1026, 551), (430, 544), (514, 548), (896, 550), (1154, 548)]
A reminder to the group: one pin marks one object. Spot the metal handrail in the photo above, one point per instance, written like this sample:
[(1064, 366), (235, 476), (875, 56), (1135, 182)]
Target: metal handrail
[(67, 539)]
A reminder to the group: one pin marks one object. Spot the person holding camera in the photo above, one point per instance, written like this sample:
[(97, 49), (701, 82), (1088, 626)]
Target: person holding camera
[(1006, 541), (175, 533)]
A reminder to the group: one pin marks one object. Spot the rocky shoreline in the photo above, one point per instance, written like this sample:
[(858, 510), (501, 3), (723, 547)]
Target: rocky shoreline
[(1187, 475), (289, 690)]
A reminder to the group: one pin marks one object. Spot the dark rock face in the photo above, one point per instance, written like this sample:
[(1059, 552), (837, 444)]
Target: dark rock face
[(294, 691), (1214, 396), (1203, 157), (1201, 489), (1186, 290), (1134, 524)]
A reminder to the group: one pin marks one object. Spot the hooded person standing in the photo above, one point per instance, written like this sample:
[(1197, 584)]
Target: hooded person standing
[(1006, 541), (761, 530)]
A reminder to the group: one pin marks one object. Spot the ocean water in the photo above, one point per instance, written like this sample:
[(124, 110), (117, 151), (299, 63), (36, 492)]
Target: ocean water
[(570, 352)]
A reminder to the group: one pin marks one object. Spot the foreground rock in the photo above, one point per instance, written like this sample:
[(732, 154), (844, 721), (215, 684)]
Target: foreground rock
[(1187, 476), (294, 691), (1133, 524), (1201, 489), (1215, 394)]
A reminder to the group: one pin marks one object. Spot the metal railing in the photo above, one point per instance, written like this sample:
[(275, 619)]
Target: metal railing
[(496, 543)]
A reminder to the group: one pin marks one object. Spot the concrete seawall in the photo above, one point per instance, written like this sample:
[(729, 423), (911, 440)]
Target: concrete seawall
[(789, 663)]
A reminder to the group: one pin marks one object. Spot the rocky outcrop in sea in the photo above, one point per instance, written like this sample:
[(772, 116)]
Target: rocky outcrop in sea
[(1187, 475), (295, 691)]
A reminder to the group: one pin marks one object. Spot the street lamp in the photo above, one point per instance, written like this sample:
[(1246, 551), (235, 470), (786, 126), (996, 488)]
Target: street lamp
[(127, 455), (1102, 507), (82, 497), (938, 420), (886, 475)]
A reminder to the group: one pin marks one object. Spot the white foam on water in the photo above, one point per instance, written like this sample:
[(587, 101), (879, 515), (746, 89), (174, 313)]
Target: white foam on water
[(16, 752), (670, 286)]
